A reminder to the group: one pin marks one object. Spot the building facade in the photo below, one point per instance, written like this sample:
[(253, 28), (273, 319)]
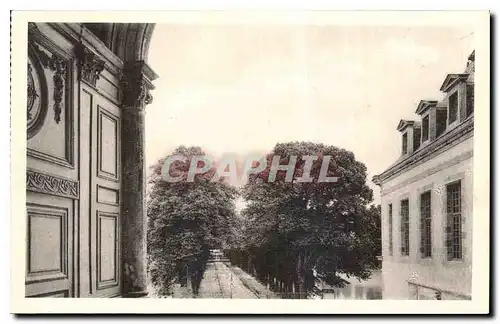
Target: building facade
[(88, 86), (427, 198)]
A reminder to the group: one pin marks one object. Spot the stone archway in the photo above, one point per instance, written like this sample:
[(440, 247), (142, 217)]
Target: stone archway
[(88, 87), (129, 41)]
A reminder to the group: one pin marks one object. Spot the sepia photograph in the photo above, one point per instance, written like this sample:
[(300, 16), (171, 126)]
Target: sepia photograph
[(184, 158)]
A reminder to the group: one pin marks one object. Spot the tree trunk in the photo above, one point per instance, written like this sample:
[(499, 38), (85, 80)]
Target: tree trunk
[(301, 280)]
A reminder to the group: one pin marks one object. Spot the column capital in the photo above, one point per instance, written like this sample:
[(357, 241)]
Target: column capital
[(136, 84), (90, 65)]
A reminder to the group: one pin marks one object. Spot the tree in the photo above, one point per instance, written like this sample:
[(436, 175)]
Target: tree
[(300, 233), (186, 219)]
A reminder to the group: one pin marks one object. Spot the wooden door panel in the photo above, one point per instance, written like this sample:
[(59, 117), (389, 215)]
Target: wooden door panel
[(106, 221), (49, 257)]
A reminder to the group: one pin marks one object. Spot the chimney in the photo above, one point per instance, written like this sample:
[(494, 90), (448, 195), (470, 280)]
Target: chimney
[(407, 137), (470, 70)]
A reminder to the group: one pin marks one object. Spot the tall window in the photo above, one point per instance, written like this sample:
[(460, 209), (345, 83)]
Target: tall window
[(405, 143), (425, 128), (390, 229), (470, 100), (425, 225), (405, 228), (453, 107), (454, 221)]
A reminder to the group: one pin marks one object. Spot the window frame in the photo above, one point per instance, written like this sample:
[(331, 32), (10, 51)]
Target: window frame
[(426, 225), (454, 218), (390, 225), (405, 227)]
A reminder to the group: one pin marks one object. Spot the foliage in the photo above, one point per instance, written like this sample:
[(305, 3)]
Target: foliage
[(185, 221), (297, 234)]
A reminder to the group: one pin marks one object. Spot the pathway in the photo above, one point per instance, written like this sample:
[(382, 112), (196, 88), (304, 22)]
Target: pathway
[(222, 281)]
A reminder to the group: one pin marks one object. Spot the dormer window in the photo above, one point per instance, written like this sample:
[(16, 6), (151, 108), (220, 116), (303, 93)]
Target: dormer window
[(408, 129), (427, 109), (405, 143), (452, 108), (425, 128)]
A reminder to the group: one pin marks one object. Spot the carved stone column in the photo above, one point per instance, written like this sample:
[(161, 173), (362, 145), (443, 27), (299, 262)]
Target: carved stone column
[(136, 84)]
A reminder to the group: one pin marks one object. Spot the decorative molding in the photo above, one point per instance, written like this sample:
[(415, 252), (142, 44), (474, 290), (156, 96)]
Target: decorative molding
[(427, 173), (101, 173), (457, 135), (66, 162), (37, 105), (43, 53), (90, 65), (108, 196), (78, 33), (59, 66), (32, 93), (52, 185), (135, 88), (52, 294), (48, 212), (113, 282), (451, 79)]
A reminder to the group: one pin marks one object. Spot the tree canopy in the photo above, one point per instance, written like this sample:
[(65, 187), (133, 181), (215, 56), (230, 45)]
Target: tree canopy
[(297, 234), (185, 220)]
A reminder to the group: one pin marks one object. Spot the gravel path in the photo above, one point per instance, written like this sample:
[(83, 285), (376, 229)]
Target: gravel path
[(221, 281)]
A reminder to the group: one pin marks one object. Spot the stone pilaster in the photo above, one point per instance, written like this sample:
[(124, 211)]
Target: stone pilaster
[(136, 86)]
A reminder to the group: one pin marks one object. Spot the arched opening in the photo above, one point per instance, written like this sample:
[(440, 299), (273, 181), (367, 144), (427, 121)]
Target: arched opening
[(129, 41), (86, 180)]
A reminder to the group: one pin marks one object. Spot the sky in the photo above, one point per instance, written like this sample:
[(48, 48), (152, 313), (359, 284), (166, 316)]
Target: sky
[(240, 89)]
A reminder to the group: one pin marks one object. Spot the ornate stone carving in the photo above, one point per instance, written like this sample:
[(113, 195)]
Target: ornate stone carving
[(90, 66), (59, 67), (135, 89), (36, 103), (32, 95), (50, 184)]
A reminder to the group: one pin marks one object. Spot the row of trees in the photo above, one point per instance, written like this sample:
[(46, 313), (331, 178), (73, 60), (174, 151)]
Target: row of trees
[(298, 235), (290, 235)]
